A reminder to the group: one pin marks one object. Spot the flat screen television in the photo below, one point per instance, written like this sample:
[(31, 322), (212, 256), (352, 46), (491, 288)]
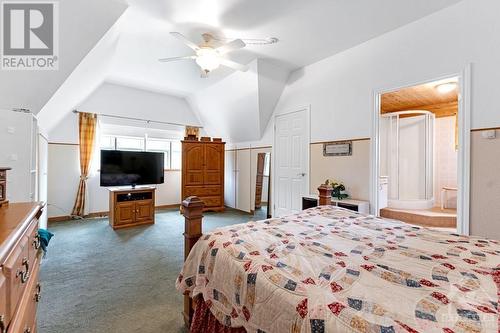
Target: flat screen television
[(124, 168)]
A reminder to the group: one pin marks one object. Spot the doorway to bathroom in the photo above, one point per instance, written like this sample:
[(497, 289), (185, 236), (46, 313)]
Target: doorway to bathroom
[(418, 153)]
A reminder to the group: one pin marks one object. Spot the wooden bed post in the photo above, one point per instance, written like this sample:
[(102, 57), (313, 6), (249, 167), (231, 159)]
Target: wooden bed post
[(193, 215), (325, 195)]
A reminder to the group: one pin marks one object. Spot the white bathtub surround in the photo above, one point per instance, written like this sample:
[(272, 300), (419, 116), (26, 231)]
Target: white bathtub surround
[(406, 150)]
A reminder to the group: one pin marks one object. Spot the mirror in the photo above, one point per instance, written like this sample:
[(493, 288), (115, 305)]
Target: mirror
[(262, 186)]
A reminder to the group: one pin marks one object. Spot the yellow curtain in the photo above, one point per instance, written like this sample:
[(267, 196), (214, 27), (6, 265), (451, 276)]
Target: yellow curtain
[(87, 129)]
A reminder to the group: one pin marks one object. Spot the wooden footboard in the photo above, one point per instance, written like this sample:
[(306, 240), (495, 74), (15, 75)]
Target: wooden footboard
[(193, 216), (192, 208)]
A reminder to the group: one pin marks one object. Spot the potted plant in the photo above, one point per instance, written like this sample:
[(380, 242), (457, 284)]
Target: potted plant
[(338, 187)]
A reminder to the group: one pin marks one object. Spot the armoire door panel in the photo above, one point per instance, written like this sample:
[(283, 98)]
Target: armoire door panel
[(213, 163), (193, 164)]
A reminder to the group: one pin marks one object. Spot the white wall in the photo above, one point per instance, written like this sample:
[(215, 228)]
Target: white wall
[(63, 177), (353, 171), (446, 162), (230, 107), (340, 88)]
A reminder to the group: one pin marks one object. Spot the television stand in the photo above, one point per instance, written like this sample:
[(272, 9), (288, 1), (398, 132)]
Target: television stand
[(129, 207)]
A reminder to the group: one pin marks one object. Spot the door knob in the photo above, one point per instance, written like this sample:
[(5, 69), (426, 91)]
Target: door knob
[(301, 174)]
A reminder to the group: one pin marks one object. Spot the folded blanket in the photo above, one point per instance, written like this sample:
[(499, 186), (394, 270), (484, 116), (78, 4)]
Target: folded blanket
[(45, 237)]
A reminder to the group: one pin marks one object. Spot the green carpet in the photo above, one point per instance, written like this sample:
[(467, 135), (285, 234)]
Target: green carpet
[(95, 279)]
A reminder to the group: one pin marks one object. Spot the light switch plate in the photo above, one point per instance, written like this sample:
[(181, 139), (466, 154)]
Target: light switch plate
[(11, 129), (489, 134), (13, 157)]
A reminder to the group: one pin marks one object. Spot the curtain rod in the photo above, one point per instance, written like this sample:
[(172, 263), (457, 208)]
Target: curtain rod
[(139, 119)]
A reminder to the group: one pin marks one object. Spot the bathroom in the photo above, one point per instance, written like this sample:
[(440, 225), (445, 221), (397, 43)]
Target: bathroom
[(418, 143)]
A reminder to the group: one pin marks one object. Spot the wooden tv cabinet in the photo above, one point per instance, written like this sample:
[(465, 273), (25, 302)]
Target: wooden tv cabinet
[(129, 207)]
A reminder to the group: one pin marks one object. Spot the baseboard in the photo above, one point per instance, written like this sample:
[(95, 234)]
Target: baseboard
[(58, 219), (239, 210), (168, 206), (102, 214)]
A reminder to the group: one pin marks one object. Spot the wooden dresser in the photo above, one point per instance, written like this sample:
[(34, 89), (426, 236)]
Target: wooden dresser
[(20, 257), (203, 172), (130, 207)]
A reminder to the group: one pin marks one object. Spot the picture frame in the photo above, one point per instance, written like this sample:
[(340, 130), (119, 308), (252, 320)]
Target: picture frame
[(337, 148)]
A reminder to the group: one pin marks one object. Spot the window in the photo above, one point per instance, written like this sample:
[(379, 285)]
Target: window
[(160, 146), (170, 148), (107, 142), (176, 155), (129, 143)]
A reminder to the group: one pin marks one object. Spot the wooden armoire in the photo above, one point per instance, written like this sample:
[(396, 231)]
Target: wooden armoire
[(203, 172)]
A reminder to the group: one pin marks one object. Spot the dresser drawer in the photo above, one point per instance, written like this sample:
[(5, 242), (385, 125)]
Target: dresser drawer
[(202, 191), (211, 201), (33, 242), (3, 303), (24, 320), (17, 270)]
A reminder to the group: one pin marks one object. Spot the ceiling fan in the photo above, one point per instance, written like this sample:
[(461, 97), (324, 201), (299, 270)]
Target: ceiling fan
[(207, 56)]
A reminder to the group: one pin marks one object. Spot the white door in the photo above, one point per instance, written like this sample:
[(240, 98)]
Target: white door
[(291, 151), (230, 179), (243, 191), (43, 156)]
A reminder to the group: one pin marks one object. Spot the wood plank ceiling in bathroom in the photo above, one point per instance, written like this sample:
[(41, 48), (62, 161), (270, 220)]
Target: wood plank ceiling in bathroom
[(421, 97)]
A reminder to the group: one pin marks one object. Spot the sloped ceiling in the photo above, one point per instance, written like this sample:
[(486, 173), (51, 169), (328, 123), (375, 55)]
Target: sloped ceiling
[(119, 100), (231, 104), (82, 23), (240, 106)]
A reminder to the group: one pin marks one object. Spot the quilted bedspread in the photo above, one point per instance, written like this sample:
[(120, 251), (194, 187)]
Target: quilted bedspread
[(328, 269)]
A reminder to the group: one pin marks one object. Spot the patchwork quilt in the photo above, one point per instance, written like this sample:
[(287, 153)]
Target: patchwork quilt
[(328, 269)]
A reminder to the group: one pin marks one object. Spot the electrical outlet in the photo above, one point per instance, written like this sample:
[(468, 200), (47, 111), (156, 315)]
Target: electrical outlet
[(11, 129)]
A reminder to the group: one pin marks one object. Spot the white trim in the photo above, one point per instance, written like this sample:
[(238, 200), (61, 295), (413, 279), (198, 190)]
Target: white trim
[(464, 117), (307, 109), (464, 126)]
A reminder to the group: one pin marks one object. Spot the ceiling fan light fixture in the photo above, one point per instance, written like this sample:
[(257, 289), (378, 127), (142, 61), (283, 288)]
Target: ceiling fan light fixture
[(207, 59), (447, 87)]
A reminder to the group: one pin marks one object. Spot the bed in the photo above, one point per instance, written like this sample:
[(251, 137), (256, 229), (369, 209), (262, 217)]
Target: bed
[(328, 269)]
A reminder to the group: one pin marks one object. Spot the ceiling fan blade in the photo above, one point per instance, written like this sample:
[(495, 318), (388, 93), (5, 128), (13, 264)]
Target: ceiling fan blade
[(176, 58), (233, 65), (203, 74), (186, 41), (231, 46)]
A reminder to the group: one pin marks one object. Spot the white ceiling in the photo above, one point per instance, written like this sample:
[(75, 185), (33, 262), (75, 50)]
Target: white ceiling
[(308, 31), (81, 24)]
